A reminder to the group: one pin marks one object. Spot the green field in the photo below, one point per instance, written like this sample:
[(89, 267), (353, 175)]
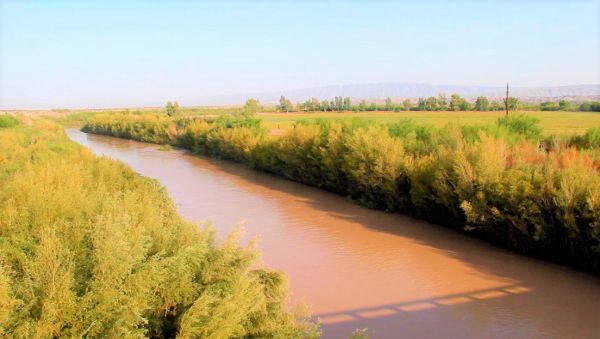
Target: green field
[(551, 122)]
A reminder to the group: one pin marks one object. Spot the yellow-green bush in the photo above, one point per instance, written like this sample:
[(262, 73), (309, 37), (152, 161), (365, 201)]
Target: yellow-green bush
[(497, 182), (88, 248)]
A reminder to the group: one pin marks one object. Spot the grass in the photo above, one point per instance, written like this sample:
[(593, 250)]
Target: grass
[(555, 122), (559, 123), (165, 147)]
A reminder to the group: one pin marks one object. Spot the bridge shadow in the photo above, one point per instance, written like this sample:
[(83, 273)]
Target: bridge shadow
[(422, 317), (421, 304), (475, 314)]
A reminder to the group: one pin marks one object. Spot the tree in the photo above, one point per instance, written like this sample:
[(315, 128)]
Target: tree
[(252, 106), (590, 106), (482, 104), (564, 105), (496, 106), (362, 106), (315, 105), (172, 109), (285, 105), (442, 102), (513, 103), (431, 104), (347, 104), (464, 105), (549, 106), (421, 104), (407, 104), (455, 102), (338, 103), (389, 106)]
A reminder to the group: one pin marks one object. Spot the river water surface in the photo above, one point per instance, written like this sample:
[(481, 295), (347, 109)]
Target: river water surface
[(357, 268)]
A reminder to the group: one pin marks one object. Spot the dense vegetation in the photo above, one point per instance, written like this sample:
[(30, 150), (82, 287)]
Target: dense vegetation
[(500, 182), (439, 103), (90, 249), (8, 121)]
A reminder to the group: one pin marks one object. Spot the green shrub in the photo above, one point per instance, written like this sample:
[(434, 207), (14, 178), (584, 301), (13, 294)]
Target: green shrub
[(522, 124), (590, 140), (493, 181), (88, 248), (8, 121)]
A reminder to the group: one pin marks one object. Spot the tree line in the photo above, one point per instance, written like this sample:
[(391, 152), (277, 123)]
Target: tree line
[(433, 103)]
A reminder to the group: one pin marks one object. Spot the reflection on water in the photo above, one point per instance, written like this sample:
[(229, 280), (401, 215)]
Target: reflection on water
[(362, 268)]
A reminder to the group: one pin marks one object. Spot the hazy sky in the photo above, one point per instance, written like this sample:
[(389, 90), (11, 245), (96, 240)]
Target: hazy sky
[(101, 54)]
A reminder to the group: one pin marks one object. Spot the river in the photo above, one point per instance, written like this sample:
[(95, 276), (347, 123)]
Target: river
[(360, 268)]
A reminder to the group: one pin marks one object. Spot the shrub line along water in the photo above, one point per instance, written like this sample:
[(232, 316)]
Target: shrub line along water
[(500, 182), (88, 248)]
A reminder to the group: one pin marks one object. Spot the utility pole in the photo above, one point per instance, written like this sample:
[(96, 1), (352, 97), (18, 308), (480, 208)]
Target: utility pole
[(506, 100)]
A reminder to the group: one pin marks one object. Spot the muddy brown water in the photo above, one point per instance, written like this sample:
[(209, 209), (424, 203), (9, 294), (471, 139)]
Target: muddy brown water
[(359, 268)]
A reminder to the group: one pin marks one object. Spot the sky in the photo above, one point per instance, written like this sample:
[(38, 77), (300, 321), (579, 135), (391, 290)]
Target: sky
[(67, 54)]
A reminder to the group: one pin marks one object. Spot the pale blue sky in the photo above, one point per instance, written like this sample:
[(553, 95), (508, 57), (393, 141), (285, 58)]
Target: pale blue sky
[(127, 53)]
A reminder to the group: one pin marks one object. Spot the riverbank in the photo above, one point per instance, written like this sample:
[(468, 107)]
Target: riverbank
[(363, 268), (492, 181), (90, 248)]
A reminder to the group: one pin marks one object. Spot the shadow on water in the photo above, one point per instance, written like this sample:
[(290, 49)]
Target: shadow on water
[(401, 318), (395, 275), (451, 242)]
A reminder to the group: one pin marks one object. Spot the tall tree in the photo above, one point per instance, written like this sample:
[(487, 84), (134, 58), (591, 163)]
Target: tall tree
[(252, 106), (285, 105), (389, 105), (422, 104), (464, 105), (482, 104), (442, 102), (407, 104), (564, 105), (362, 106), (315, 105), (431, 104), (339, 103), (347, 104), (172, 108), (455, 101)]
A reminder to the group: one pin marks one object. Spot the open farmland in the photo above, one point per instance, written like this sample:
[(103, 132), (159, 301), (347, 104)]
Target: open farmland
[(552, 122)]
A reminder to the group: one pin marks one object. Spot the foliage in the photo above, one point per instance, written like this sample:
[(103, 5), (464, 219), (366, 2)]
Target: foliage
[(252, 106), (88, 248), (522, 124), (590, 106), (482, 104), (590, 140), (513, 103), (493, 181), (8, 121), (172, 109), (432, 103), (285, 105)]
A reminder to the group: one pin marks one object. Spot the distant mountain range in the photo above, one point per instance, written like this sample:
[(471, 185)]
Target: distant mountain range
[(403, 90)]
